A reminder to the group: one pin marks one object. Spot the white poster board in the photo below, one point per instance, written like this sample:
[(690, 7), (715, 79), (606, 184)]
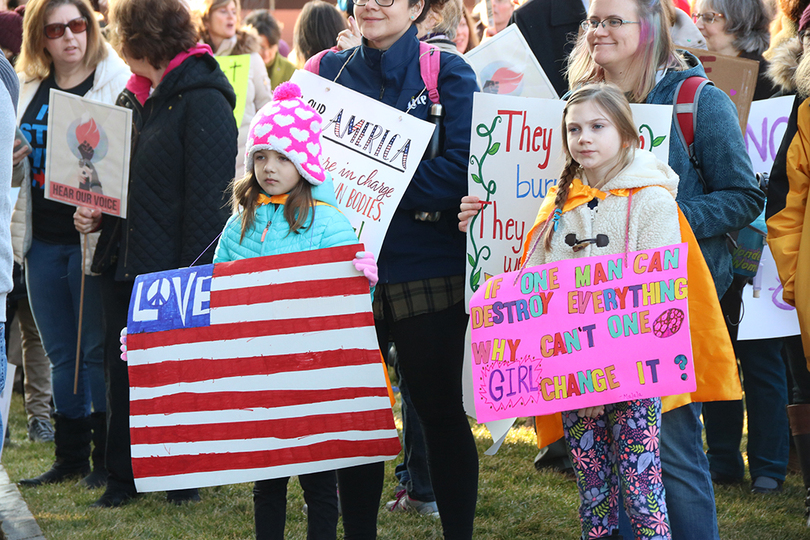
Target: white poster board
[(768, 316), (515, 158), (370, 149), (5, 398), (505, 65), (89, 146), (767, 122)]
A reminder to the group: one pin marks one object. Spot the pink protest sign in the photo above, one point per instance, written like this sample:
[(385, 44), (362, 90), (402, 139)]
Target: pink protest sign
[(580, 333)]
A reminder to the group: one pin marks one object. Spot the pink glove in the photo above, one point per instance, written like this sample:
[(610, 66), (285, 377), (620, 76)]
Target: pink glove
[(364, 262), (124, 344)]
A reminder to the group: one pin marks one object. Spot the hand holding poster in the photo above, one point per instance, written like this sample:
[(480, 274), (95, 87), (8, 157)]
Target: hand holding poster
[(88, 153), (254, 369), (582, 332), (370, 149)]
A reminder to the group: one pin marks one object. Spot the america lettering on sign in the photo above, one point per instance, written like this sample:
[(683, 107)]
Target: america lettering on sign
[(261, 368)]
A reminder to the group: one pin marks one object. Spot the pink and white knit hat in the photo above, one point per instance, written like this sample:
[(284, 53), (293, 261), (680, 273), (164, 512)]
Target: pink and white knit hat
[(290, 127)]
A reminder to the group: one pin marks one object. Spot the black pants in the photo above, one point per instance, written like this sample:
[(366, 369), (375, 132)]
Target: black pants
[(430, 350), (270, 506), (115, 303), (360, 492)]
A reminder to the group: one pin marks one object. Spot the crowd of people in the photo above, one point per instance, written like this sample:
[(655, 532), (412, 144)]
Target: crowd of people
[(196, 173)]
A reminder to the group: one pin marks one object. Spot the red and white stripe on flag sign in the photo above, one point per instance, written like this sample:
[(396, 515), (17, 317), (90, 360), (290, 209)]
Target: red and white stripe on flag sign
[(261, 368)]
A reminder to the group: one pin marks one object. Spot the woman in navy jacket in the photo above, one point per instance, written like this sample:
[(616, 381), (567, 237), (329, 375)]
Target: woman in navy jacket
[(419, 299)]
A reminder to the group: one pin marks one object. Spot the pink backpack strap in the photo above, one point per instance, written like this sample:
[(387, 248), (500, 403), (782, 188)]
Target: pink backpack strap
[(429, 66), (313, 65)]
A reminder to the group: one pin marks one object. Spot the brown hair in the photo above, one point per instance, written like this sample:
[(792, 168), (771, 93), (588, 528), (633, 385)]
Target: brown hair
[(152, 30), (245, 192), (614, 104), (34, 60), (317, 28)]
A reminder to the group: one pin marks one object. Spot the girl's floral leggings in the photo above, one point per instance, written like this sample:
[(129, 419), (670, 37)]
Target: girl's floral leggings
[(617, 449)]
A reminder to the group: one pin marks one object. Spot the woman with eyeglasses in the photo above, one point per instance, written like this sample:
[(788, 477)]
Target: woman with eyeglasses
[(628, 43), (63, 50), (738, 28), (419, 299)]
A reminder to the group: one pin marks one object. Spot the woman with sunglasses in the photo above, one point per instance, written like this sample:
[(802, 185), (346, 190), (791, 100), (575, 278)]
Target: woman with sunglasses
[(628, 43), (419, 299), (738, 28), (63, 50)]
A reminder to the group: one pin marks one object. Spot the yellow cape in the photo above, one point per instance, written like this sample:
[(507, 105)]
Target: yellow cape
[(713, 356)]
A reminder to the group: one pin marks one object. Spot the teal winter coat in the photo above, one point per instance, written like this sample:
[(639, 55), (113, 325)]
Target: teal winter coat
[(326, 227)]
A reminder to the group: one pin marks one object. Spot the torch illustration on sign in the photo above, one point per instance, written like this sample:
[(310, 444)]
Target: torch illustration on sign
[(89, 144)]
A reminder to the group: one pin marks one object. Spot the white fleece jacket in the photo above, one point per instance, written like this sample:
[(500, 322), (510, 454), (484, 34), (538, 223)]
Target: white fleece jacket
[(110, 79), (653, 215)]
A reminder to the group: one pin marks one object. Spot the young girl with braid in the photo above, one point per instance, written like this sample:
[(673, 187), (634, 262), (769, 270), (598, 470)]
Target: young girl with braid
[(625, 197)]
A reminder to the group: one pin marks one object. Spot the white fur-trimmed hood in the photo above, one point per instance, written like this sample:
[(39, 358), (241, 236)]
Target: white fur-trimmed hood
[(645, 170)]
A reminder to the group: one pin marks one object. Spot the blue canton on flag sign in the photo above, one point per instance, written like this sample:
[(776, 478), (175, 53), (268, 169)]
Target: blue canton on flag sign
[(171, 300)]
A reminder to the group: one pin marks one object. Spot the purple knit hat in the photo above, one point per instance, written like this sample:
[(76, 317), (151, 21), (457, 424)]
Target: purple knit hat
[(11, 30), (804, 22), (290, 127)]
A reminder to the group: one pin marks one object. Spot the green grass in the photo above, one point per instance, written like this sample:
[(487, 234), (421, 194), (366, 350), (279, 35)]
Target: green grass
[(514, 502)]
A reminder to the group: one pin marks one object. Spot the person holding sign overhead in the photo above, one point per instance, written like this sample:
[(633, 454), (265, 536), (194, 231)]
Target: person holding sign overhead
[(63, 49), (419, 299), (219, 29)]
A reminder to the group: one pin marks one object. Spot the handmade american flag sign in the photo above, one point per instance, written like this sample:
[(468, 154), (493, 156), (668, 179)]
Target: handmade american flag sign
[(254, 369)]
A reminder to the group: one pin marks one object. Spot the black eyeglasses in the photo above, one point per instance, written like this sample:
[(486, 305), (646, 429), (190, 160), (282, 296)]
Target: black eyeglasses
[(381, 3), (611, 22), (57, 30), (708, 17)]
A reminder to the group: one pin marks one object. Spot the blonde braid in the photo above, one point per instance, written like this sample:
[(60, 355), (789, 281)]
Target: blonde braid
[(566, 179)]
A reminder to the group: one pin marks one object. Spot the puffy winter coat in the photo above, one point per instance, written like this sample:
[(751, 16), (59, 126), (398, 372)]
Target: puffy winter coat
[(732, 198), (789, 242), (110, 78), (412, 249), (184, 147), (270, 233)]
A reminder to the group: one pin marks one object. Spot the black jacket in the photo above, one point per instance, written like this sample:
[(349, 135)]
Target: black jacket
[(183, 151), (550, 28)]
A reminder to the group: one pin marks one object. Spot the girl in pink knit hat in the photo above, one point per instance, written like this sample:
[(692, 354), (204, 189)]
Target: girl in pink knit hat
[(285, 203)]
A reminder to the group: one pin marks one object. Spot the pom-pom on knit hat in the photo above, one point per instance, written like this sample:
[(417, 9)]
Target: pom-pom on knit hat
[(290, 127)]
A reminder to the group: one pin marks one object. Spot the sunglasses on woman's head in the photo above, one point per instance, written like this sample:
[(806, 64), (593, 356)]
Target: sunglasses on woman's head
[(57, 30)]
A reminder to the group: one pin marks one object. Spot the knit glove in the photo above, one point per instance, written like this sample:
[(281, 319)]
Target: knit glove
[(364, 262), (123, 340)]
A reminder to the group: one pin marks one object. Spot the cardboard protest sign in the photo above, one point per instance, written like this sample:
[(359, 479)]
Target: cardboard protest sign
[(735, 76), (370, 149), (505, 65), (260, 368), (88, 154), (767, 122), (515, 158), (237, 70), (582, 332), (767, 315)]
